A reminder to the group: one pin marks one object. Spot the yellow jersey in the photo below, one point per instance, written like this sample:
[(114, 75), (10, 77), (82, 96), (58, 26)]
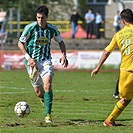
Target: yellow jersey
[(124, 40)]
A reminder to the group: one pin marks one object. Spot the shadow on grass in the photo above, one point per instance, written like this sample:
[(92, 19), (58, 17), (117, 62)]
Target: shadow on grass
[(71, 122), (94, 122)]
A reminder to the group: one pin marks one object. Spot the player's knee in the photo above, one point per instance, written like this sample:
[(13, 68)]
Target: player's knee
[(125, 102), (47, 87), (39, 93)]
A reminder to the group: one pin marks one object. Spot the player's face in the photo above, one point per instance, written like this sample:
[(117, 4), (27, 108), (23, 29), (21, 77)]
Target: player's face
[(41, 19)]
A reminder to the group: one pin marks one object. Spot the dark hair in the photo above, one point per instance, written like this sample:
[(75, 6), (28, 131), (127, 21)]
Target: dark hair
[(42, 9), (98, 12), (127, 15)]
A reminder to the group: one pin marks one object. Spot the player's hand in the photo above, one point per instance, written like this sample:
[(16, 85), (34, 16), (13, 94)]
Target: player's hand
[(63, 60), (31, 62), (95, 71)]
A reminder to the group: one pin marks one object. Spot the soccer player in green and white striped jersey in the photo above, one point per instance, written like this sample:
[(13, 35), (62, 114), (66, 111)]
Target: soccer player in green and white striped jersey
[(34, 43)]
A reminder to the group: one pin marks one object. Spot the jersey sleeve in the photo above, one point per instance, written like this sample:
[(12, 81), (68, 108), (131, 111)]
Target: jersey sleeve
[(25, 35), (58, 38), (112, 45)]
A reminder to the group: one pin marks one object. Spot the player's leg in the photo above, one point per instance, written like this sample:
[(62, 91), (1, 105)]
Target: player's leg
[(47, 74), (116, 94), (126, 94), (38, 88), (119, 107), (36, 81), (39, 91), (48, 96)]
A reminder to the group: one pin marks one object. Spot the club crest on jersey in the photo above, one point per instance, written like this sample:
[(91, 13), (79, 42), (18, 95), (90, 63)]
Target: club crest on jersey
[(42, 41)]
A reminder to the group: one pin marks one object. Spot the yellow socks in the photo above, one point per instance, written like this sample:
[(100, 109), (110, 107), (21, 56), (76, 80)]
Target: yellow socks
[(119, 107)]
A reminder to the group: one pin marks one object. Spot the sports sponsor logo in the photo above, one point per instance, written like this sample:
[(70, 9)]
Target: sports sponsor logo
[(42, 41), (23, 39)]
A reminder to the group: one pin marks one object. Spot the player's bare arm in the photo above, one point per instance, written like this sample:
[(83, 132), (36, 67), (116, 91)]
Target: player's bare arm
[(22, 48), (63, 59), (102, 60), (31, 61)]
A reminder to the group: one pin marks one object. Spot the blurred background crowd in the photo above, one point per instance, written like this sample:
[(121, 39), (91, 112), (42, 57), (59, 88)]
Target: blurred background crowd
[(104, 22)]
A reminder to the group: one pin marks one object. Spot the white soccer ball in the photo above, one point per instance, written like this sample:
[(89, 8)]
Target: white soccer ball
[(22, 109)]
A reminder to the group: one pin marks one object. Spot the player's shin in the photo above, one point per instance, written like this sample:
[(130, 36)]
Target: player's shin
[(119, 107), (48, 99)]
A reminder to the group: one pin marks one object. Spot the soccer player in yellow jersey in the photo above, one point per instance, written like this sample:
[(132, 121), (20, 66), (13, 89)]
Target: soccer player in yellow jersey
[(124, 40)]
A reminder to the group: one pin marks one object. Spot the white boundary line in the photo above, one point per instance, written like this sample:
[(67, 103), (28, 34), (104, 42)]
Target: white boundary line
[(17, 88), (14, 92), (13, 88)]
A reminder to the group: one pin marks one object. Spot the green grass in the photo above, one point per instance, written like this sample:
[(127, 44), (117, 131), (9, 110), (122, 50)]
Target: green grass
[(80, 105)]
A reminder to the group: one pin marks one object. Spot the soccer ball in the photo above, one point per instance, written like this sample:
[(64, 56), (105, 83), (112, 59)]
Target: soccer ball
[(22, 109)]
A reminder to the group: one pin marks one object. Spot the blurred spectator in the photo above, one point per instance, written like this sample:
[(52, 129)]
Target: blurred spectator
[(89, 17), (74, 22), (98, 22), (3, 19), (3, 36), (117, 21)]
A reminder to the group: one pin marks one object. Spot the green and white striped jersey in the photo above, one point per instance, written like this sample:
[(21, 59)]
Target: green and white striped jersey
[(37, 40)]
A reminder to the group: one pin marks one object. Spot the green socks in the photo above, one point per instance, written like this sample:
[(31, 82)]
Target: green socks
[(48, 99)]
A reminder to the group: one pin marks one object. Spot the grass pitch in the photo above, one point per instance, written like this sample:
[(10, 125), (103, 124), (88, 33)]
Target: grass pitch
[(80, 105)]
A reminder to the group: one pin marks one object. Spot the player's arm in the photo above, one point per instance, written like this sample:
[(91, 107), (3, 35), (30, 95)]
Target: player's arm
[(106, 53), (63, 59), (22, 48), (102, 60), (31, 61), (62, 46)]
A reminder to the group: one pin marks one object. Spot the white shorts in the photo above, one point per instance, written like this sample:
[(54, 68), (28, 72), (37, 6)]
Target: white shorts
[(44, 68)]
